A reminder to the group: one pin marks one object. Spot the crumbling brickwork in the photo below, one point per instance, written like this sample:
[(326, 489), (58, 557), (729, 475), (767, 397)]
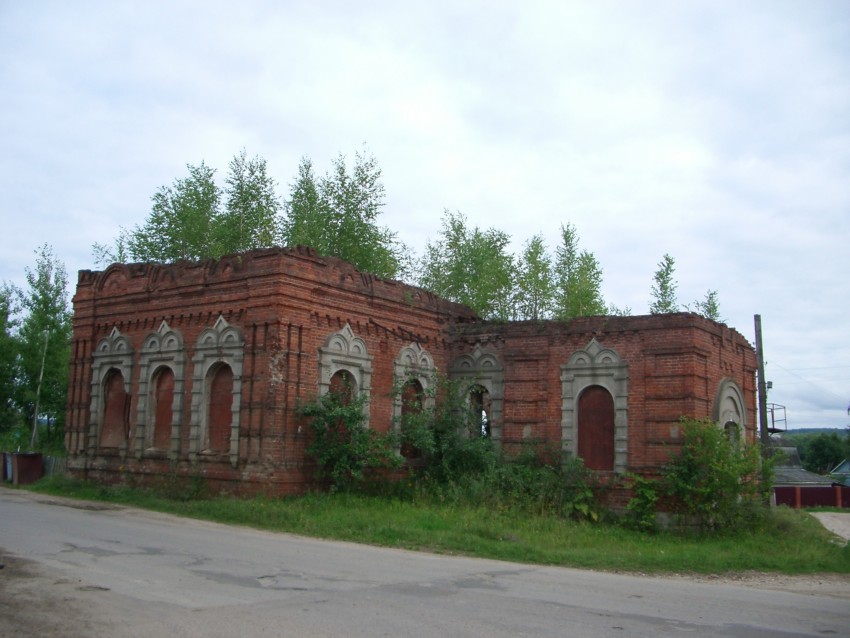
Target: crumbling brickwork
[(197, 369)]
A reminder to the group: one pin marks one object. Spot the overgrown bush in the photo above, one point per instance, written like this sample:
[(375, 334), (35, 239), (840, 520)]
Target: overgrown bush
[(458, 464), (714, 482), (642, 506), (345, 449), (445, 433)]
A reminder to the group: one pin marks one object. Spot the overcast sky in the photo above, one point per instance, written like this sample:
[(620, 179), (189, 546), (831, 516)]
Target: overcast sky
[(717, 132)]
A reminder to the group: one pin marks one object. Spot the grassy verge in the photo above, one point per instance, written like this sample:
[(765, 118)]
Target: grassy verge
[(789, 541)]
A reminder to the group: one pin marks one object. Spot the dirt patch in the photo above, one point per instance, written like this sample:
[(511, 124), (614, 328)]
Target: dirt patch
[(39, 602), (33, 605)]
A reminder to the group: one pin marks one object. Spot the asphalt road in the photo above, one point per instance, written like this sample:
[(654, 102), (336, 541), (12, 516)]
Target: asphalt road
[(81, 569)]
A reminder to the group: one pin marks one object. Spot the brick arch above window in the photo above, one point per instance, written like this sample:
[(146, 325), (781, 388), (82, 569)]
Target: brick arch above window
[(220, 344), (114, 352), (343, 350), (483, 369), (595, 366), (163, 348)]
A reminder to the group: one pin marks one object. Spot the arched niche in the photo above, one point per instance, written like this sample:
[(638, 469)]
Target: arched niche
[(162, 350), (595, 366), (114, 353), (220, 345)]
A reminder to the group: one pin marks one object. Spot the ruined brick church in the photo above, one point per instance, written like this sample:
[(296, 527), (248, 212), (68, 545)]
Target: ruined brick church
[(197, 369)]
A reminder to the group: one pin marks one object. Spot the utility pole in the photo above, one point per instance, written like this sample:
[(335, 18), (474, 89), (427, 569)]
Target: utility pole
[(762, 390)]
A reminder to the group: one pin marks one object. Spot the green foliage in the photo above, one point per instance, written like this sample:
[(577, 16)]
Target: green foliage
[(578, 279), (713, 482), (534, 285), (305, 223), (35, 338), (344, 448), (50, 439), (44, 341), (337, 215), (820, 452), (617, 311), (470, 266), (9, 348), (787, 541), (187, 220), (251, 218), (544, 483), (642, 506), (459, 465), (664, 288), (181, 488), (474, 267), (709, 307), (182, 220), (447, 432)]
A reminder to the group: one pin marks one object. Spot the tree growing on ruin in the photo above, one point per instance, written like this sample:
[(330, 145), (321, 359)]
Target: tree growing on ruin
[(664, 288), (578, 279), (304, 223), (534, 286), (470, 266), (252, 211), (187, 220), (709, 306), (182, 221), (337, 215)]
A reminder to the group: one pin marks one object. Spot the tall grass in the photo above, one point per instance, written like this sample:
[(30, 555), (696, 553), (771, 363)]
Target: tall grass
[(785, 541)]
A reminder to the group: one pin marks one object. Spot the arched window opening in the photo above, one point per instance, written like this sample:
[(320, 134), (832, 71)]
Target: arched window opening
[(733, 433), (482, 373), (116, 409), (162, 399), (412, 403), (220, 411), (729, 411), (344, 361), (596, 428), (343, 386), (479, 404)]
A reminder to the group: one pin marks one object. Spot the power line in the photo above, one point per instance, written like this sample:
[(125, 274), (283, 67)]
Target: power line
[(811, 383)]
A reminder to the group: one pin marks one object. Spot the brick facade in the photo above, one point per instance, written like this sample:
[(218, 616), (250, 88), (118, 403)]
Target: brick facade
[(197, 369)]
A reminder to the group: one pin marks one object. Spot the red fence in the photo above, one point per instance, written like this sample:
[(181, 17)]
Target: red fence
[(813, 496)]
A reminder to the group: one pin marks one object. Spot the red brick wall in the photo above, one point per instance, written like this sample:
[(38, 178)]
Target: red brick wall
[(288, 301), (675, 366)]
